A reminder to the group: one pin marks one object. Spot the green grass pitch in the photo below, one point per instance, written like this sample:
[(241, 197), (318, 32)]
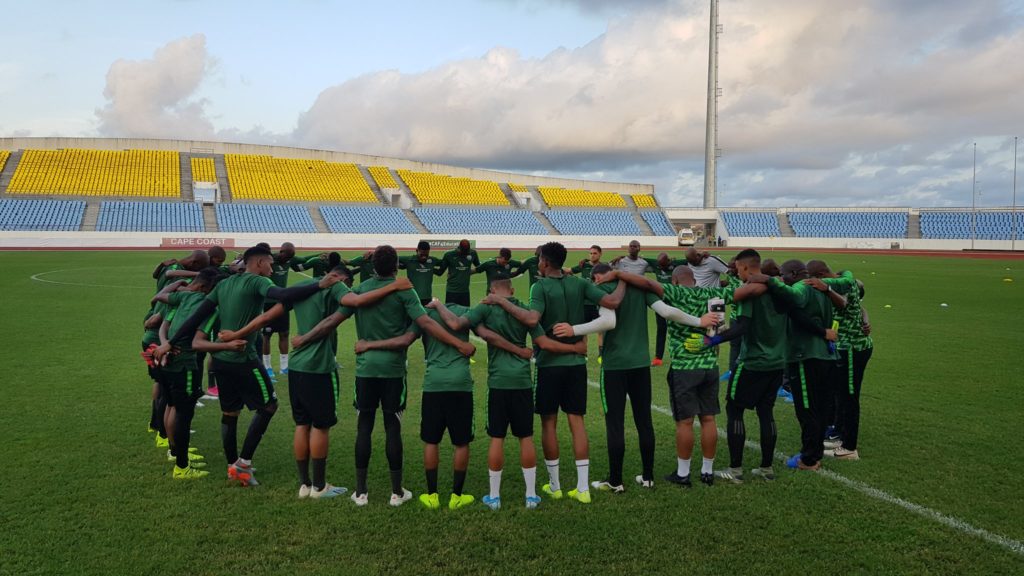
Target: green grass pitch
[(84, 491)]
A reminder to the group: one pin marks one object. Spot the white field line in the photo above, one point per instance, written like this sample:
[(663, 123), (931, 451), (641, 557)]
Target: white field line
[(39, 278)]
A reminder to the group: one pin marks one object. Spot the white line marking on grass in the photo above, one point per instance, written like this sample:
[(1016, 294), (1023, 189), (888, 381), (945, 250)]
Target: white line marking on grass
[(957, 524), (39, 278)]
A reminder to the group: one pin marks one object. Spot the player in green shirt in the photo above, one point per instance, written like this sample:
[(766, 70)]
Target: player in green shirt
[(662, 267), (362, 263), (421, 269), (502, 267), (509, 383), (693, 378), (561, 378), (459, 264), (585, 270), (150, 341), (381, 365), (188, 267), (530, 267), (283, 262)]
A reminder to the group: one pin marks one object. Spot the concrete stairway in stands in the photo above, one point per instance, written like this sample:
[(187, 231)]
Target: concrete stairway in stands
[(222, 178), (9, 168), (547, 224), (784, 227), (415, 221), (914, 224), (91, 216), (318, 219)]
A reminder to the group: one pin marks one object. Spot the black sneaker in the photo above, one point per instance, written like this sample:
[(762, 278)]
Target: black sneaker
[(708, 479), (674, 478)]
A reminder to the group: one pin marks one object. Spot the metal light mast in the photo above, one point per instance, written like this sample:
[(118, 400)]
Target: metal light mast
[(711, 151)]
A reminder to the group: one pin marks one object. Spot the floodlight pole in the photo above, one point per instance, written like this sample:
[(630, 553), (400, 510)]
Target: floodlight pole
[(1013, 209), (974, 203), (711, 123)]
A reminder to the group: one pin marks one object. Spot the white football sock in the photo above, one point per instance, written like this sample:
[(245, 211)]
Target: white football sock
[(682, 467), (495, 477), (553, 475), (582, 475), (530, 477), (266, 361), (708, 466), (284, 361)]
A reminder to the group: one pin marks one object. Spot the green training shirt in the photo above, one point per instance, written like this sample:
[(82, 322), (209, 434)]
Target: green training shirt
[(153, 336), (529, 266), (389, 317), (693, 301), (561, 300), (163, 280), (239, 299), (815, 307), (851, 331), (183, 305), (627, 347), (447, 369), (763, 346), (421, 274), (365, 266), (459, 269), (316, 357), (495, 271), (505, 371), (585, 270)]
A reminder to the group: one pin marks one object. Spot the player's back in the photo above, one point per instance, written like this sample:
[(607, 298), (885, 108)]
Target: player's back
[(389, 317), (764, 344), (239, 299)]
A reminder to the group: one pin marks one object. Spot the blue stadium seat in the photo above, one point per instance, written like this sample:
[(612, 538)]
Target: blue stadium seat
[(989, 225), (849, 224), (480, 221), (150, 217), (49, 215), (758, 224), (658, 222), (366, 220), (591, 222), (264, 218)]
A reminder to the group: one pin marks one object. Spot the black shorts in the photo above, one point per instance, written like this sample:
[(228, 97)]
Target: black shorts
[(693, 393), (314, 398), (749, 389), (510, 409), (245, 384), (387, 393), (452, 411), (460, 298), (590, 312), (183, 387), (561, 387), (281, 324)]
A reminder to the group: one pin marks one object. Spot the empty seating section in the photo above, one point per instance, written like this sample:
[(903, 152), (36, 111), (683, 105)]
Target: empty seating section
[(150, 217), (556, 197), (764, 224), (988, 225), (97, 173), (644, 201), (49, 215), (264, 218), (267, 178), (518, 188), (477, 221), (366, 220), (203, 170), (593, 223), (430, 188), (849, 224), (4, 155), (383, 177), (659, 223)]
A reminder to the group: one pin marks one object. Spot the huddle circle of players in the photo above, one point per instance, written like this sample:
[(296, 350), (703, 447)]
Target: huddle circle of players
[(797, 332)]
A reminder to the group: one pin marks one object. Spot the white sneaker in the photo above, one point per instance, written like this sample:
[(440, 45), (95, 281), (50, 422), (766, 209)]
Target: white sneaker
[(844, 454), (397, 500), (733, 475), (832, 444), (606, 486), (200, 404), (207, 397), (644, 483), (361, 499), (304, 491), (328, 492)]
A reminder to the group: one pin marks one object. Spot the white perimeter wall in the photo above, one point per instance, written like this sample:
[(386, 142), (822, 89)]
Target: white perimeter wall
[(870, 243)]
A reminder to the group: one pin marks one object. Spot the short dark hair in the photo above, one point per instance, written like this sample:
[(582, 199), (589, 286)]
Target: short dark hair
[(598, 248), (217, 250), (601, 268), (256, 251), (423, 245), (385, 260), (747, 254), (502, 283), (554, 253), (209, 276), (505, 253), (264, 245), (334, 259), (341, 270)]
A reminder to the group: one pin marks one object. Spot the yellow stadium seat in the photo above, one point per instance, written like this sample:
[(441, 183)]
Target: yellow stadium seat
[(430, 188), (562, 197), (97, 173), (4, 155), (644, 201), (383, 177), (268, 178), (518, 188), (203, 170)]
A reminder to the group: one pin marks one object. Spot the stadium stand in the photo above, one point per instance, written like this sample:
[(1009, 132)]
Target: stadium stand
[(479, 221), (203, 170), (366, 220), (989, 225), (513, 187), (593, 222), (763, 224), (264, 218), (47, 215), (556, 197), (258, 177), (4, 155), (150, 217), (644, 201), (849, 224), (430, 188), (658, 223), (383, 177), (153, 173)]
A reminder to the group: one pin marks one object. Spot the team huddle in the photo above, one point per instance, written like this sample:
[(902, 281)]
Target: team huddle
[(797, 331)]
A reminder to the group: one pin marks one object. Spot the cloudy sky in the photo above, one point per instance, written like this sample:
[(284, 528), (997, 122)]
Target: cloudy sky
[(825, 102)]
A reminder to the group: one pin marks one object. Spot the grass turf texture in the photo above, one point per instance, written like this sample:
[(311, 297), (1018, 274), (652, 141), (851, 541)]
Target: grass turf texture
[(85, 491)]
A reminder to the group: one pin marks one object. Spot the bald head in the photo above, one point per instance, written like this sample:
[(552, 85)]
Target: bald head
[(770, 268), (793, 271), (287, 251), (683, 276), (818, 269), (196, 261), (693, 256), (664, 260)]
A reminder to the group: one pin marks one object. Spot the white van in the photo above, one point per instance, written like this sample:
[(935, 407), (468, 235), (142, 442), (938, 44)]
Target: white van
[(686, 237)]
